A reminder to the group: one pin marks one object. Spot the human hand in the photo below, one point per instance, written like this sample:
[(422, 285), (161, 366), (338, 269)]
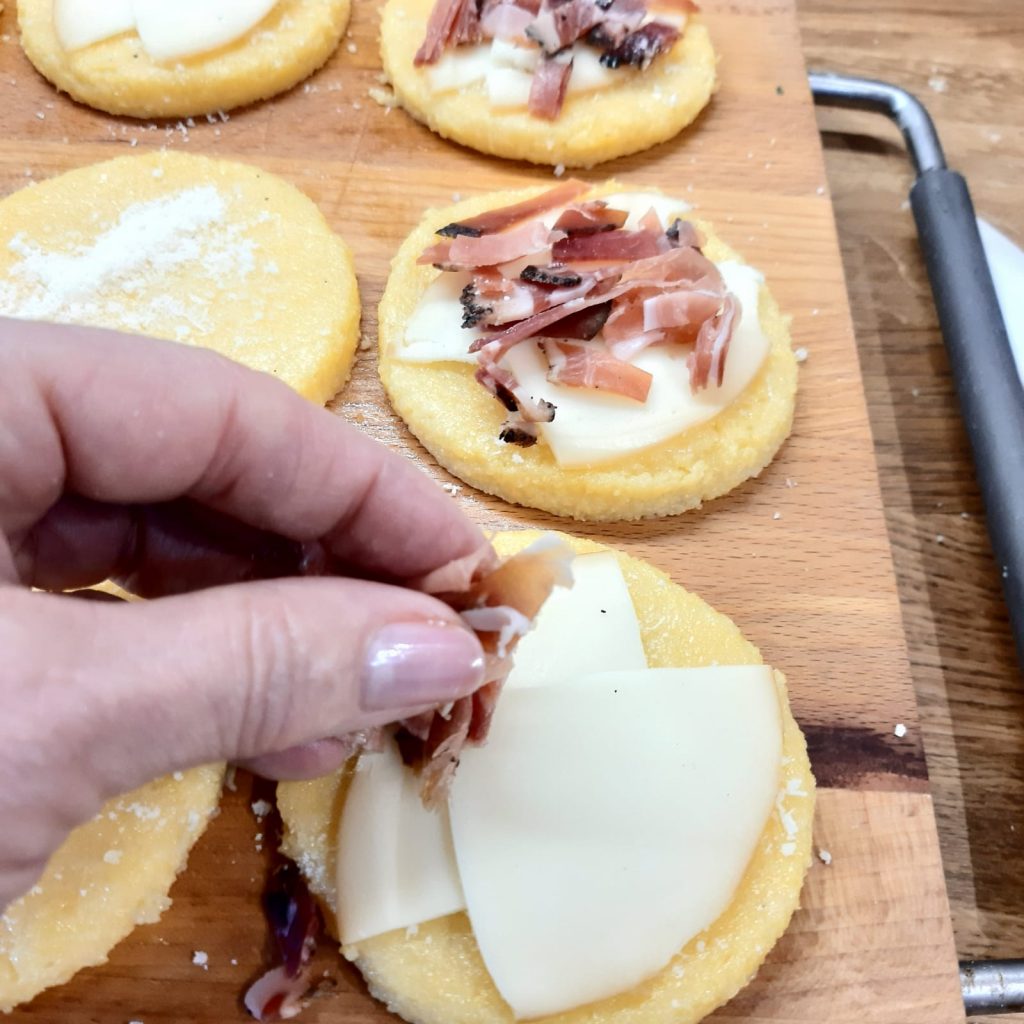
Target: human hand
[(190, 479)]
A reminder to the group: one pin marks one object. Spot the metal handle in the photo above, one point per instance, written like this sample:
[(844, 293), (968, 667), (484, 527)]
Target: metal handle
[(991, 396), (992, 986)]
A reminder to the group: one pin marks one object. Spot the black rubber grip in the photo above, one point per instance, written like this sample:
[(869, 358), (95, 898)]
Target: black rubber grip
[(991, 395)]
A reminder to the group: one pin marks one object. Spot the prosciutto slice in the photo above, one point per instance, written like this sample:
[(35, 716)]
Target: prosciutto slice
[(606, 247), (586, 218), (503, 217), (560, 23), (500, 604), (707, 361), (444, 17), (639, 48), (588, 365), (549, 85)]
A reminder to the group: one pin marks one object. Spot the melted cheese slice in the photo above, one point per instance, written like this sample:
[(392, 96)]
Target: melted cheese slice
[(590, 856), (168, 30), (433, 334), (396, 867), (592, 426), (589, 627), (81, 23)]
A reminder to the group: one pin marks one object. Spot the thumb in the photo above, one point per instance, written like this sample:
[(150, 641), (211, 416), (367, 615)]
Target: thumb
[(133, 691)]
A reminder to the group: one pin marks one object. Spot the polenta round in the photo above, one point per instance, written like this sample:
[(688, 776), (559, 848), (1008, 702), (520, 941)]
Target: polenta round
[(204, 252), (118, 76), (458, 421), (642, 110), (436, 976), (111, 874)]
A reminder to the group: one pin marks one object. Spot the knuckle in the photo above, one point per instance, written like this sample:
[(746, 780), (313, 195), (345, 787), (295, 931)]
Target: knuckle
[(271, 660)]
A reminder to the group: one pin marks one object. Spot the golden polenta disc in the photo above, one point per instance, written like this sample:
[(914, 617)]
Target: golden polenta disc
[(111, 874), (118, 76), (204, 252), (642, 110), (436, 976), (458, 421)]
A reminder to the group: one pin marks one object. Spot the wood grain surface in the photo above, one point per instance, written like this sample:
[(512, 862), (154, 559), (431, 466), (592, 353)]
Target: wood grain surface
[(965, 62), (799, 558)]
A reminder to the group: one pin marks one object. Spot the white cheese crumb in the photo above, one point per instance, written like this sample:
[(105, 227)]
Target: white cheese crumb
[(678, 971), (351, 47), (701, 945), (452, 489), (456, 197), (900, 731), (412, 931), (178, 776), (229, 778), (787, 849), (801, 354), (261, 808), (112, 857), (965, 515), (559, 170), (776, 515), (201, 959), (234, 962), (40, 115), (135, 1022), (824, 856), (820, 190), (795, 788), (937, 83), (915, 392), (790, 482), (940, 538)]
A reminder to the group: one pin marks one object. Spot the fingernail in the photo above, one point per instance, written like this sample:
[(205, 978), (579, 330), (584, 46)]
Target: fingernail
[(416, 663)]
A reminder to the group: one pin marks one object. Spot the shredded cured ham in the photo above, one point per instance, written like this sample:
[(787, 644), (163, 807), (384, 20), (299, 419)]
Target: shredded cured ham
[(506, 216), (500, 604), (569, 277), (615, 246), (707, 361), (550, 84), (620, 29), (586, 365)]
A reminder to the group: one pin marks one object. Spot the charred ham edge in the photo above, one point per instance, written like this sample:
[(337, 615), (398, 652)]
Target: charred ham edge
[(503, 217), (499, 604), (559, 277), (472, 311), (640, 47), (525, 414)]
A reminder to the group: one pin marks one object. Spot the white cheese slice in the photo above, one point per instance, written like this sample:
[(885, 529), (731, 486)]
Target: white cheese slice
[(589, 74), (590, 855), (396, 867), (510, 55), (591, 427), (80, 23), (590, 627), (459, 67), (508, 87), (434, 333), (185, 28)]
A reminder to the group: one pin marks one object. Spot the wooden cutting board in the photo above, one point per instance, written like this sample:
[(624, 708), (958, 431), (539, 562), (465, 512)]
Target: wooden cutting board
[(799, 558)]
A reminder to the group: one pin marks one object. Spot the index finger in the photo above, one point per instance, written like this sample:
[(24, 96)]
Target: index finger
[(118, 419)]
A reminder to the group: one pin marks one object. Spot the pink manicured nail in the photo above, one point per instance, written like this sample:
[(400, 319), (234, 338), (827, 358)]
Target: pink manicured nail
[(409, 664)]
